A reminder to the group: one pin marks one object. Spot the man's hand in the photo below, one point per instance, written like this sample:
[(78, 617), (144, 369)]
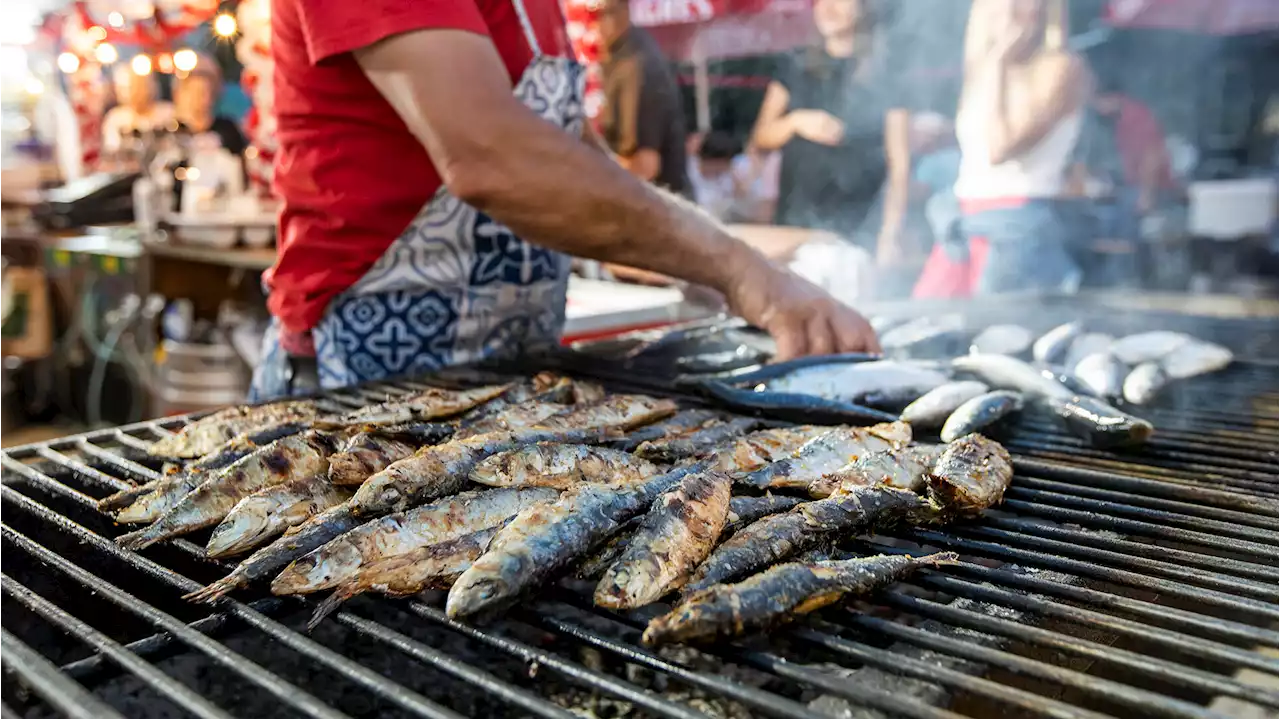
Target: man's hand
[(817, 126), (801, 318)]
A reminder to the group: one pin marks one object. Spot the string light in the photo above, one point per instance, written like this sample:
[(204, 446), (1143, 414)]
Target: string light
[(115, 19), (97, 33), (164, 63), (68, 62), (34, 86), (224, 25), (141, 65), (106, 53), (185, 60)]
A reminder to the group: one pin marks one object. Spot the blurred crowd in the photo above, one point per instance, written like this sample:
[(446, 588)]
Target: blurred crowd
[(1046, 176)]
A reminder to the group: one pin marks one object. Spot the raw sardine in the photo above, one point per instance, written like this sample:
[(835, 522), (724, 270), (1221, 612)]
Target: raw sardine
[(1102, 373), (1011, 373), (808, 525), (430, 403), (208, 433), (339, 560), (680, 423), (295, 543), (1144, 383), (297, 456), (675, 536), (432, 567), (1052, 346), (878, 383), (826, 454), (270, 511), (1002, 340), (779, 595), (1099, 423), (921, 333), (542, 539), (902, 468), (1147, 346), (561, 466), (364, 455), (1196, 358), (696, 443), (969, 477), (979, 413), (764, 446), (931, 410), (1087, 344)]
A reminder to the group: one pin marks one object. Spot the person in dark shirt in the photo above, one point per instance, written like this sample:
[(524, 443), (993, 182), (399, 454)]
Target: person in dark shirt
[(643, 121), (195, 97), (841, 133)]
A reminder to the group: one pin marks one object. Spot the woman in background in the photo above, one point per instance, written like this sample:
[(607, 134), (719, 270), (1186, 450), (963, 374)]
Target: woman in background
[(1018, 123), (830, 114), (195, 107), (136, 113)]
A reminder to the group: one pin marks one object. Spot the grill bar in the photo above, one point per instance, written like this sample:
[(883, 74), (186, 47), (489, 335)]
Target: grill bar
[(1159, 668), (1118, 576), (52, 685), (1233, 518), (175, 691), (1149, 703), (156, 644)]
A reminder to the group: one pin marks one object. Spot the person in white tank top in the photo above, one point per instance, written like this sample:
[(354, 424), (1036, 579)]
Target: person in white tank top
[(1017, 126)]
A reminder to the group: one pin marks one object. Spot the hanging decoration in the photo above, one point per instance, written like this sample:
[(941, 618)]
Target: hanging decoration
[(582, 22), (253, 50)]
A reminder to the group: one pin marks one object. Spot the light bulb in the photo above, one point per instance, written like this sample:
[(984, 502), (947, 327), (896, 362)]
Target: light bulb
[(34, 86), (224, 25), (98, 33), (115, 19), (185, 60), (68, 62), (141, 65), (106, 53)]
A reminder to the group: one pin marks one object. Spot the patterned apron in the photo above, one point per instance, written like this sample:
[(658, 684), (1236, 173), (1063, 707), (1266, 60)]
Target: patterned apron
[(455, 287)]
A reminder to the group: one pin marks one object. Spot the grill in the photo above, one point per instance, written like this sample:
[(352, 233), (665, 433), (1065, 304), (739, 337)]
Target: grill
[(1125, 584)]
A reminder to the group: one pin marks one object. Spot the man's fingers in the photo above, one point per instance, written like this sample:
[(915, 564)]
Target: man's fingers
[(822, 340), (854, 334), (790, 339)]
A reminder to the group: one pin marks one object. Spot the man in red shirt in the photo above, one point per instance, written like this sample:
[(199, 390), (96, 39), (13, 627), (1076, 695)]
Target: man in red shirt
[(421, 145)]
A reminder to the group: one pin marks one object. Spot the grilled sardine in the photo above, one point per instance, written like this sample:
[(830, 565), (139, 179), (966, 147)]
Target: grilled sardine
[(544, 538), (675, 536), (680, 423), (697, 442), (764, 446), (971, 475), (270, 511), (561, 466), (295, 543), (807, 525), (443, 469), (341, 559), (828, 453), (432, 567), (430, 403), (364, 455), (297, 456), (778, 595), (207, 434), (903, 468), (743, 510)]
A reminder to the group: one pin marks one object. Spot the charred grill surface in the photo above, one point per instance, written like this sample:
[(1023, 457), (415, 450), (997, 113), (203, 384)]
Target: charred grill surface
[(1134, 582)]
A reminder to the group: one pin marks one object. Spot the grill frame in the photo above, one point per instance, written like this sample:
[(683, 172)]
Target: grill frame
[(1120, 569)]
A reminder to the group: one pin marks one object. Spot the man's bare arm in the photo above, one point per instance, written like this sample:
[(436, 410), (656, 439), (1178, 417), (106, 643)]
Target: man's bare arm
[(452, 91)]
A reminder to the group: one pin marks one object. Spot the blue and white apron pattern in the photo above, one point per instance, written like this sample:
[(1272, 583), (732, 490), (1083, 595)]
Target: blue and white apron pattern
[(455, 287)]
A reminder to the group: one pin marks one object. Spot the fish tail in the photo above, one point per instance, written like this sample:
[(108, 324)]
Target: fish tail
[(216, 590), (124, 498), (331, 604), (142, 538), (934, 560)]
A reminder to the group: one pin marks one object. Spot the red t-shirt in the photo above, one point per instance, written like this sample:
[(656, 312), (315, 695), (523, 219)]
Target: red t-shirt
[(350, 173)]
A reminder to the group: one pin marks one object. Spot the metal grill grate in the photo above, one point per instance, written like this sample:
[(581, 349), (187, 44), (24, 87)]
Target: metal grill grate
[(1107, 584)]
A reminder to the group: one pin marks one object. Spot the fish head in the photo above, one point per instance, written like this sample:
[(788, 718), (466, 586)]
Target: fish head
[(700, 616), (470, 595), (379, 493), (240, 531)]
